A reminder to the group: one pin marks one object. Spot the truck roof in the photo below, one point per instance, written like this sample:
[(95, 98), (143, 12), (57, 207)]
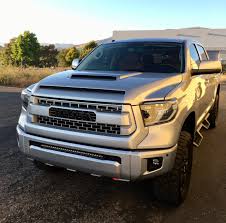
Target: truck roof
[(171, 40)]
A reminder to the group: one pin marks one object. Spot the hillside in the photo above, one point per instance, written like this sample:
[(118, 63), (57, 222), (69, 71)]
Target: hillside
[(65, 45)]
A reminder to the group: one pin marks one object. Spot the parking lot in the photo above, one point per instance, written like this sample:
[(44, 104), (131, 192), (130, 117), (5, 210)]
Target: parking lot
[(31, 195)]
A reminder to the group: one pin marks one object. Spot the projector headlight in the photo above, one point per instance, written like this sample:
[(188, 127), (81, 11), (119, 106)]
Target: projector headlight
[(25, 96), (158, 112)]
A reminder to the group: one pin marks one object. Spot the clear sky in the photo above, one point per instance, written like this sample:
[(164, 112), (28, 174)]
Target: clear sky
[(78, 21)]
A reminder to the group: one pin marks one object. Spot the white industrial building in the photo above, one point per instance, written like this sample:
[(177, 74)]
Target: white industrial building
[(213, 39)]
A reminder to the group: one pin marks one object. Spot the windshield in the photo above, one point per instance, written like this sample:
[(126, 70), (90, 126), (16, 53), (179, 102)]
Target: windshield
[(141, 57)]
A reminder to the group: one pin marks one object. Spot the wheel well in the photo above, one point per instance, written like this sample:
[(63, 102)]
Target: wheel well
[(218, 89), (189, 124)]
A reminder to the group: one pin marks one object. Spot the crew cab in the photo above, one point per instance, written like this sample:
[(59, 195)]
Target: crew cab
[(130, 110)]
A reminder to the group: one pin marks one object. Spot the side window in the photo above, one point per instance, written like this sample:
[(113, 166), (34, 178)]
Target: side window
[(202, 53), (194, 54)]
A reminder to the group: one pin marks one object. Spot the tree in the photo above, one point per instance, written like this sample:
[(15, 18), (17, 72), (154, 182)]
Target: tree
[(87, 49), (26, 49), (84, 52), (61, 58), (6, 53), (90, 45), (48, 56), (1, 56), (66, 56), (71, 55)]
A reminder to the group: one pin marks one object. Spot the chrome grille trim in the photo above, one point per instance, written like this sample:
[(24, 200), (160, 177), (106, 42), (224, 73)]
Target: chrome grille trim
[(101, 107), (75, 125)]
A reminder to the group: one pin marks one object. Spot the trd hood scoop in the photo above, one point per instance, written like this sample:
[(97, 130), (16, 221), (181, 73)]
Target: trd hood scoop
[(102, 76)]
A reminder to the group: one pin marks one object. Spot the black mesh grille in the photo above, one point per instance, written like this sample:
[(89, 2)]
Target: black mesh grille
[(76, 125), (73, 114)]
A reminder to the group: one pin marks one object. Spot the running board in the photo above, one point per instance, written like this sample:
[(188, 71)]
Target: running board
[(206, 123), (198, 135)]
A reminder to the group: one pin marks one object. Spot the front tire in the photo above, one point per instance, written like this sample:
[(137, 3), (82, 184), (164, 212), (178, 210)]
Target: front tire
[(173, 186)]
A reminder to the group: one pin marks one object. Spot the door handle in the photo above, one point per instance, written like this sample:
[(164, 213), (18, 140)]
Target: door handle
[(198, 93)]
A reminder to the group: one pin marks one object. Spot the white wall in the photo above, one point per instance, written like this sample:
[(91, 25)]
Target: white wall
[(210, 38)]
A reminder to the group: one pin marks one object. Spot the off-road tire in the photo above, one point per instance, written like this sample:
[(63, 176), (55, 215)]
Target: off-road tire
[(173, 187), (213, 117), (43, 166)]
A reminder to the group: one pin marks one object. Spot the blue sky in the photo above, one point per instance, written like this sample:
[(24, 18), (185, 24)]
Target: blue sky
[(78, 21)]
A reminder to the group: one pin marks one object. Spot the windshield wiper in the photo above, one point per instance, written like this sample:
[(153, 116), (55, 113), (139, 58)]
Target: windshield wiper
[(138, 70)]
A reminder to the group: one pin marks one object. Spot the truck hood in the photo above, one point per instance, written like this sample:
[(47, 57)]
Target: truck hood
[(120, 87)]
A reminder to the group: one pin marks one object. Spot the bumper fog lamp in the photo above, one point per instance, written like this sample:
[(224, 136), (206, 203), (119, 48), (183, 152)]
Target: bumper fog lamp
[(154, 163)]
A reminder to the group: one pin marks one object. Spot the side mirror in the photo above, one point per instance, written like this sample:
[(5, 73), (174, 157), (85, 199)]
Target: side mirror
[(207, 67), (75, 63)]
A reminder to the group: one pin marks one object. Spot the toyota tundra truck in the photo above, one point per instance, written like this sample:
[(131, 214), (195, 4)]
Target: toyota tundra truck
[(131, 110)]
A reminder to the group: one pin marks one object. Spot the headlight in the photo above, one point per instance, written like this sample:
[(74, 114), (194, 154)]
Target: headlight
[(158, 112), (25, 96)]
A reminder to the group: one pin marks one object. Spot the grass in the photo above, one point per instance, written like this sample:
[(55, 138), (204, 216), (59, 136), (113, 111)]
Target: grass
[(23, 77)]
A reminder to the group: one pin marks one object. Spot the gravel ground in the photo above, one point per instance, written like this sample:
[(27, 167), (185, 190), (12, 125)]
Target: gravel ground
[(31, 195)]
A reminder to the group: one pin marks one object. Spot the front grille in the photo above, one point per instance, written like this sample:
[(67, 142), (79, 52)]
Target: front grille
[(77, 152), (77, 125), (73, 114), (82, 105)]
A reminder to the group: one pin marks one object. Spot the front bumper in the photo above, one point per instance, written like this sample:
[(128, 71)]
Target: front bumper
[(132, 164)]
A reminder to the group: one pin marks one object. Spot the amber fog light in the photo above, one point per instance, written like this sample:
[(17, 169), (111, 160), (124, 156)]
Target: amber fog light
[(154, 163)]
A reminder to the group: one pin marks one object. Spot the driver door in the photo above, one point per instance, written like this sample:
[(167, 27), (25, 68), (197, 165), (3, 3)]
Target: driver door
[(210, 80), (199, 84)]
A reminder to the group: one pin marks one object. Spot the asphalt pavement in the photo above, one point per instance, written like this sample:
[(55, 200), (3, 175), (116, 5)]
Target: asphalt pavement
[(31, 195)]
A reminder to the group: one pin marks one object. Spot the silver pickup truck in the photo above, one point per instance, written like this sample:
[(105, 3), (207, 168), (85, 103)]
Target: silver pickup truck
[(130, 110)]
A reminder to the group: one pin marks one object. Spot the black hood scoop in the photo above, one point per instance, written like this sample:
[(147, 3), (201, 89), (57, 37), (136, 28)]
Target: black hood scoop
[(94, 77), (102, 76)]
